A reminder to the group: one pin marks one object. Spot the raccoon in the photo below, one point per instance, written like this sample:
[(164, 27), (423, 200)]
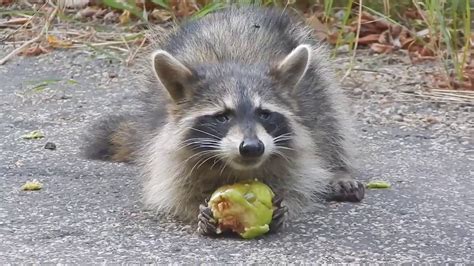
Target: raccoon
[(239, 94)]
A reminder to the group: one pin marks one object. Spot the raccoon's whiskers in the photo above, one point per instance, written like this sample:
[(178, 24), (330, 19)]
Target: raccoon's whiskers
[(283, 137), (198, 155), (282, 155), (203, 142), (226, 162), (215, 156), (216, 160), (201, 161), (205, 132), (201, 154), (285, 148)]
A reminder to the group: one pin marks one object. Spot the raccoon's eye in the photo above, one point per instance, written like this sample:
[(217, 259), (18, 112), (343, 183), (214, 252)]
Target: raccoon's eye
[(221, 118), (264, 114)]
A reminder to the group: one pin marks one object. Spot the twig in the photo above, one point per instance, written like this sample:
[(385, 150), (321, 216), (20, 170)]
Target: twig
[(40, 35), (375, 71), (130, 58), (119, 49), (452, 95), (454, 91), (444, 99), (125, 42), (109, 43)]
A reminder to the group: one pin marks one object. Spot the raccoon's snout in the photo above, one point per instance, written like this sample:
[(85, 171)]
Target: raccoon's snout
[(251, 148)]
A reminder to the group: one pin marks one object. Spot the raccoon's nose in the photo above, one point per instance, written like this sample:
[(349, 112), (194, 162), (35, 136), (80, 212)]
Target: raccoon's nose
[(251, 148)]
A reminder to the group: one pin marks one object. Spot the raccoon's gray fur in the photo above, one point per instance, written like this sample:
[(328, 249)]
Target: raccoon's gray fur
[(263, 61)]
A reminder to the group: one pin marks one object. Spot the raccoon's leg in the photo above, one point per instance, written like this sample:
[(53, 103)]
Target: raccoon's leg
[(343, 187), (279, 215)]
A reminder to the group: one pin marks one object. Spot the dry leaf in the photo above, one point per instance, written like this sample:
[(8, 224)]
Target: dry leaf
[(371, 38), (87, 12), (57, 43), (15, 22), (382, 48), (379, 23), (332, 37), (161, 15), (426, 52), (72, 3), (125, 17), (385, 38), (320, 29), (412, 13), (111, 17), (366, 28), (34, 51), (406, 40)]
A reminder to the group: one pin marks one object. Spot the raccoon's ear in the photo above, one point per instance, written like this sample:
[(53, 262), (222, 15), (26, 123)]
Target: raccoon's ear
[(291, 69), (174, 76)]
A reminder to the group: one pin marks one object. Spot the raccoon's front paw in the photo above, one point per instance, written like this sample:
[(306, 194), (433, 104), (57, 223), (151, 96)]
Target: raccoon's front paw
[(279, 215), (346, 190), (207, 225)]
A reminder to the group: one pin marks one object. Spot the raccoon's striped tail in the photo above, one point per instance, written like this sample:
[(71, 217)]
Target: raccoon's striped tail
[(111, 139)]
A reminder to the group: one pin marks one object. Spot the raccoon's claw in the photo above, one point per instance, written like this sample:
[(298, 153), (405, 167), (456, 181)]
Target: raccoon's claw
[(347, 190), (279, 215), (206, 223)]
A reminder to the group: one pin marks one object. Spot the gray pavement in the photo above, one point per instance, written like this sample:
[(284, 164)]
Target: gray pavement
[(90, 212)]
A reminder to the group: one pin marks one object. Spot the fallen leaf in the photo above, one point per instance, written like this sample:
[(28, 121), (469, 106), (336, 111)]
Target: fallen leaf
[(19, 163), (426, 52), (87, 12), (53, 41), (34, 51), (32, 185), (368, 39), (332, 37), (35, 134), (385, 38), (406, 40), (320, 29), (111, 17), (6, 2), (161, 15), (378, 184), (379, 23), (423, 33), (431, 120), (366, 28), (382, 48), (125, 17), (72, 3), (14, 22), (412, 13)]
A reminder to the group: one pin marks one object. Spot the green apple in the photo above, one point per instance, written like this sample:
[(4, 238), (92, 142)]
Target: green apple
[(245, 208)]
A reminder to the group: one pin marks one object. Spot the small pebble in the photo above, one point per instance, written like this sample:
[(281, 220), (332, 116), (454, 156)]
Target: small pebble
[(398, 118), (357, 91), (50, 146)]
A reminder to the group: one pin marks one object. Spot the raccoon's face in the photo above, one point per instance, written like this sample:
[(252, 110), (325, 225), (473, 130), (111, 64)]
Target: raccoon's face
[(233, 117), (240, 129)]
